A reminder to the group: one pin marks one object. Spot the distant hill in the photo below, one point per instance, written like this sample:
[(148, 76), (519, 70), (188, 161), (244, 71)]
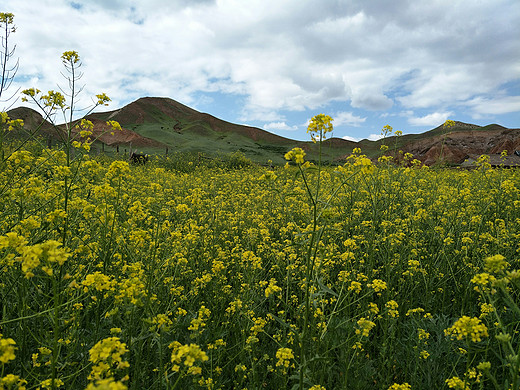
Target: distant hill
[(34, 123), (163, 125), (180, 128), (454, 145)]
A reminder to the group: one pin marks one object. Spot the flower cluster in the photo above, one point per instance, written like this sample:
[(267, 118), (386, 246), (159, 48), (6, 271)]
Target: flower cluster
[(106, 358), (297, 155), (188, 356), (467, 328), (284, 356), (319, 125)]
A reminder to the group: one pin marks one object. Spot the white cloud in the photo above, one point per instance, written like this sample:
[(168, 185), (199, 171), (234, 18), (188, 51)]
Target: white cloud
[(353, 139), (374, 137), (371, 137), (279, 126), (433, 119), (494, 106), (282, 56), (347, 119)]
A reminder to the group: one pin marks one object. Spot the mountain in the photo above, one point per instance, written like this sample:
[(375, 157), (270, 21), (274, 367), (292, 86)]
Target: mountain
[(181, 128), (162, 125), (454, 145)]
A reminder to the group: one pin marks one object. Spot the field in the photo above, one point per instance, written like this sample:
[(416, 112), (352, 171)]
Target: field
[(178, 276)]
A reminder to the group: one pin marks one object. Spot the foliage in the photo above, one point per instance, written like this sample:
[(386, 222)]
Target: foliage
[(213, 263)]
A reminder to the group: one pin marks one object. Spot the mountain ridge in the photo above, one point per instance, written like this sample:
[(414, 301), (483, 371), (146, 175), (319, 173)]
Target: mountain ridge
[(160, 125)]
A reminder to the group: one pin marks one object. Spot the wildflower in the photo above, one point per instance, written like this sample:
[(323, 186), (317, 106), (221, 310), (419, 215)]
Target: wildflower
[(457, 383), (484, 366), (365, 164), (53, 99), (259, 324), (216, 344), (414, 311), (424, 354), (317, 387), (187, 355), (50, 384), (30, 259), (364, 326), (272, 288), (70, 56), (404, 386), (485, 309), (234, 306), (200, 322), (118, 169), (98, 281), (495, 264), (378, 285), (160, 322), (386, 130), (11, 381), (422, 334), (7, 348), (103, 99), (318, 126), (372, 308), (106, 384), (31, 92), (357, 345), (12, 240), (106, 357), (297, 155), (355, 286), (114, 125), (466, 327), (483, 280), (284, 356), (14, 124), (392, 308), (449, 123)]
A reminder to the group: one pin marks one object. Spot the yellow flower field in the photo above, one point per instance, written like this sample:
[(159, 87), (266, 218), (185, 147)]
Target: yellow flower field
[(356, 277)]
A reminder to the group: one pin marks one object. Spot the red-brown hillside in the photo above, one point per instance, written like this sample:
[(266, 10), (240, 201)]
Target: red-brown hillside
[(35, 123), (165, 110)]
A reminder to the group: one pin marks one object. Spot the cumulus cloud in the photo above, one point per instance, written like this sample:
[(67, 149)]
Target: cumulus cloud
[(374, 137), (281, 56), (494, 106), (371, 137), (433, 119), (279, 126), (347, 119)]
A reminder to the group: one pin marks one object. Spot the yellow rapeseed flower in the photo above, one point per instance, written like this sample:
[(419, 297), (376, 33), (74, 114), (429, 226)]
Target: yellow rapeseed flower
[(457, 383), (284, 356), (467, 328), (7, 348), (297, 155), (364, 326), (495, 264), (403, 386)]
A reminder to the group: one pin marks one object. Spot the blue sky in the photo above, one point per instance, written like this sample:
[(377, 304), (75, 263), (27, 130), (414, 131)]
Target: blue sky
[(274, 64)]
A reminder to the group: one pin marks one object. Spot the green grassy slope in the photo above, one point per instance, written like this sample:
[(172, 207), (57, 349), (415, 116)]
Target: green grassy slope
[(183, 129)]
